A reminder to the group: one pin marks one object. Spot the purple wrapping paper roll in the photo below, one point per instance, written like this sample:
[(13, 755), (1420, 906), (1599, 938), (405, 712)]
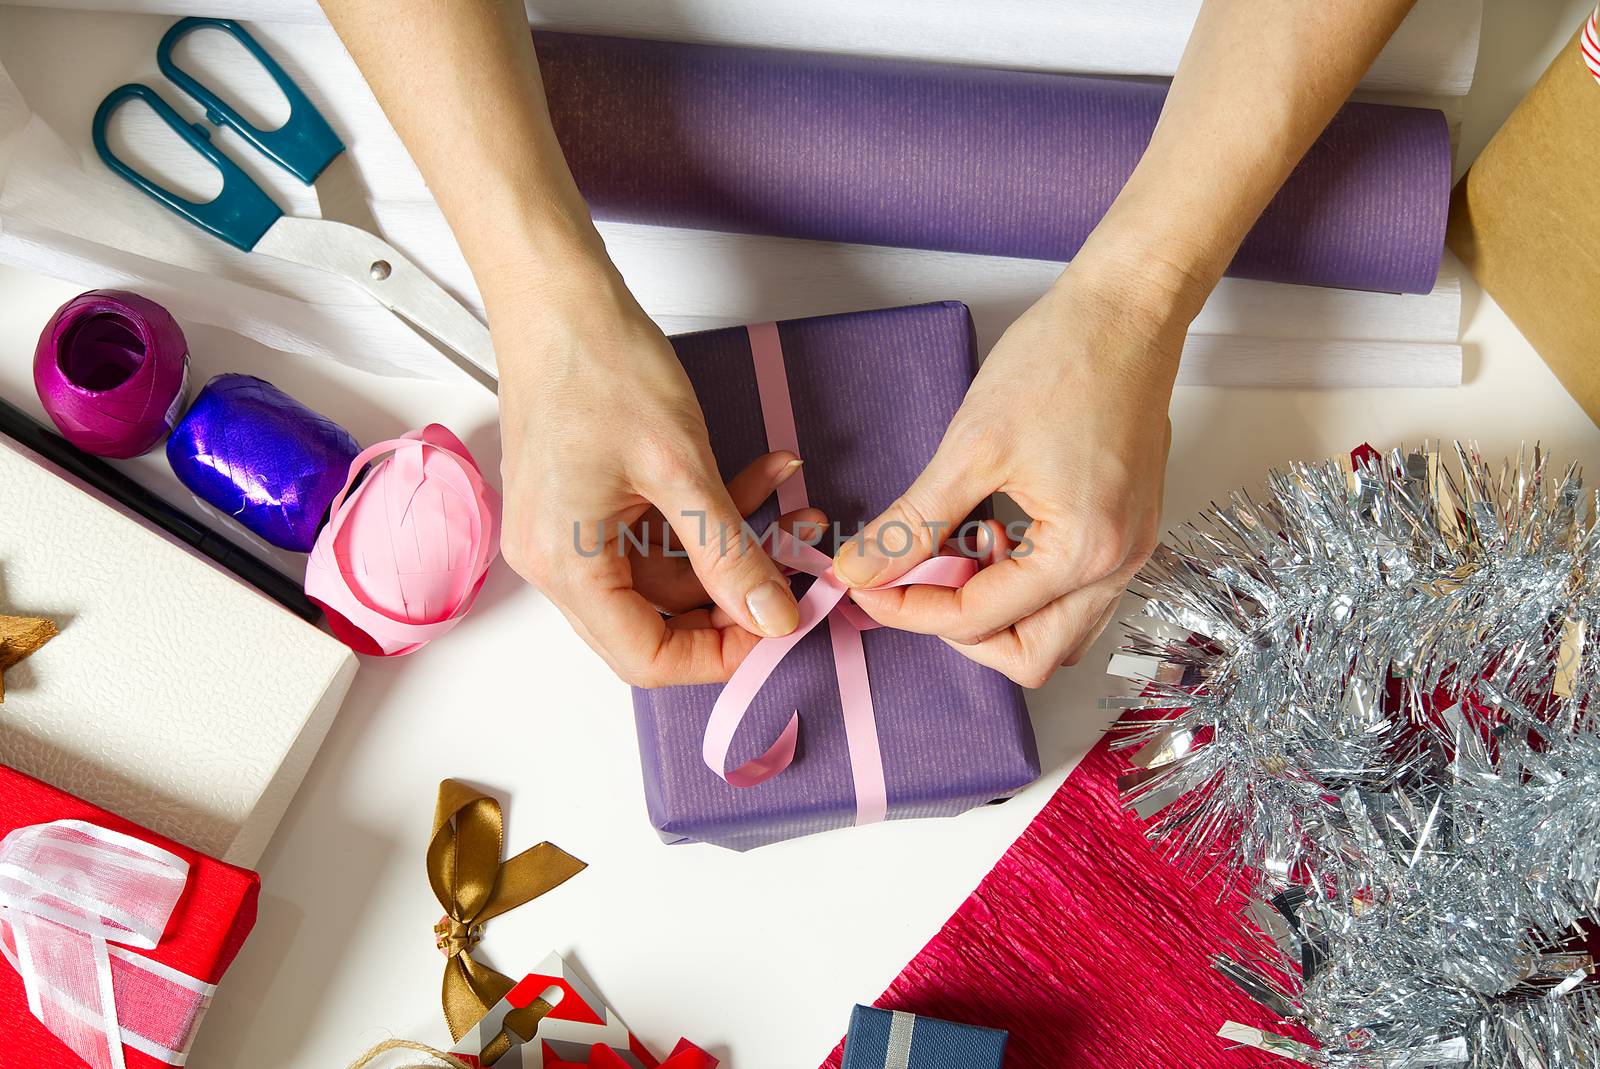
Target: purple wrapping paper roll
[(961, 159), (256, 454), (111, 369), (872, 394)]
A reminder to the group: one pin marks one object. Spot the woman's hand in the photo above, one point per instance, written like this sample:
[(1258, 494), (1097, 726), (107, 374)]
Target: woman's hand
[(1068, 416), (603, 435)]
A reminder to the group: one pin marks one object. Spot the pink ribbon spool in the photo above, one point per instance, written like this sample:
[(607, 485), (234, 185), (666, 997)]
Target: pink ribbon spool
[(403, 557), (112, 369)]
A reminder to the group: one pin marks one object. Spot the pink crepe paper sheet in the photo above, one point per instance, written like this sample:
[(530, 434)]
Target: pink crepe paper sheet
[(402, 559), (1087, 945)]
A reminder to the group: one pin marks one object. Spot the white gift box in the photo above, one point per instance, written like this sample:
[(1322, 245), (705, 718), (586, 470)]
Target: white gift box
[(175, 695)]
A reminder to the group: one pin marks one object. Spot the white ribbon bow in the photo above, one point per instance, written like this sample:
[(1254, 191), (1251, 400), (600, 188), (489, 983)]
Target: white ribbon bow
[(68, 891)]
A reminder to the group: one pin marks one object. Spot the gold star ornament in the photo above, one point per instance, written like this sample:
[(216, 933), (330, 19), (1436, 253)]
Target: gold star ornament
[(20, 636)]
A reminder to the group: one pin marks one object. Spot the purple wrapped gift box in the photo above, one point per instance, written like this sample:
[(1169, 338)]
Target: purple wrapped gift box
[(872, 394)]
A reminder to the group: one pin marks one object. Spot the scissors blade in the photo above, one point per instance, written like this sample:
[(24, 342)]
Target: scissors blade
[(392, 280), (342, 196)]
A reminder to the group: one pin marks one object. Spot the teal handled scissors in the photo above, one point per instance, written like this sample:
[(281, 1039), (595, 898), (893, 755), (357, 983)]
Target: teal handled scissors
[(343, 241)]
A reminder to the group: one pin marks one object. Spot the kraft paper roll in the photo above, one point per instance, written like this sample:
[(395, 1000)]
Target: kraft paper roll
[(1526, 223), (958, 159)]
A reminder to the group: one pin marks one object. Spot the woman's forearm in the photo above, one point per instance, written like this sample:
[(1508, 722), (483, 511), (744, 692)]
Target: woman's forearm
[(1258, 82), (459, 81)]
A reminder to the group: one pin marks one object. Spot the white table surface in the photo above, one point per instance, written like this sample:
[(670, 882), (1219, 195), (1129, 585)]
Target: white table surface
[(759, 956)]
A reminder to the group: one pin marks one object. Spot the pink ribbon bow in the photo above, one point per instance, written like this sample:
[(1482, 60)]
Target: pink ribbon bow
[(828, 599), (70, 892)]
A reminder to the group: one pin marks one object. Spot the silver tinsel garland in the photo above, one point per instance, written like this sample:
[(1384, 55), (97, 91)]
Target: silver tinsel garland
[(1373, 698)]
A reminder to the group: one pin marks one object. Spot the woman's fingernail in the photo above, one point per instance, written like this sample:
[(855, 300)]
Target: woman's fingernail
[(788, 470), (774, 609), (858, 566)]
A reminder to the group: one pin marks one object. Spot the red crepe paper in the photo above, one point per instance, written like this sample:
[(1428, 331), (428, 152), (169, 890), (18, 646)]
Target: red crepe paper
[(209, 925), (1087, 945)]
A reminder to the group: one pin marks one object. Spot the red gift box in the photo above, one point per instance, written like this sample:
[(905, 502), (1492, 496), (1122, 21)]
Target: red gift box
[(206, 930)]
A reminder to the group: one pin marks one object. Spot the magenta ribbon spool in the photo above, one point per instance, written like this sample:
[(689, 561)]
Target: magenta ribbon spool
[(112, 369)]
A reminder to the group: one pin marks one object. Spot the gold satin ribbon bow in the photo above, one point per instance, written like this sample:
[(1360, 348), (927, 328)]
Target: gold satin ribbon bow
[(474, 887)]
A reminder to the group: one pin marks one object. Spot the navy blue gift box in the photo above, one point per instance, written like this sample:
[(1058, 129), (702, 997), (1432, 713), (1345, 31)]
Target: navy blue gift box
[(892, 1039)]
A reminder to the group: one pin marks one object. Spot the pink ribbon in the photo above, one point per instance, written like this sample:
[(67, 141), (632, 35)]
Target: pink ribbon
[(828, 599)]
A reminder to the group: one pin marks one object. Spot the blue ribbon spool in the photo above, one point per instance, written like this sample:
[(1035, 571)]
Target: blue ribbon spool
[(256, 454)]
